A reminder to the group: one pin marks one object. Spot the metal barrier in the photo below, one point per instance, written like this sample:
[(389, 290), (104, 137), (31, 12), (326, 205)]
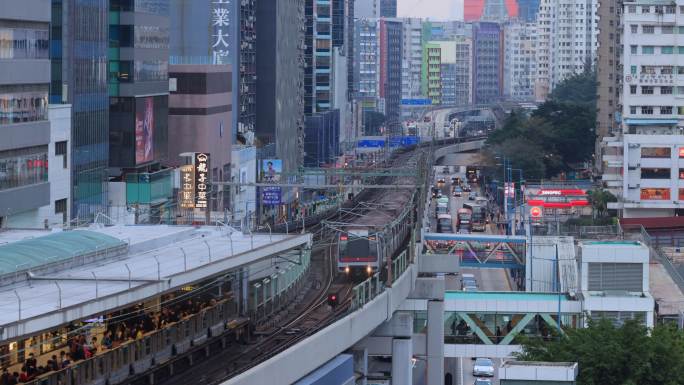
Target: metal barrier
[(366, 291), (400, 264), (276, 290)]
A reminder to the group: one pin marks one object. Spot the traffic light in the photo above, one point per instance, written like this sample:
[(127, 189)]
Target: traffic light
[(332, 300)]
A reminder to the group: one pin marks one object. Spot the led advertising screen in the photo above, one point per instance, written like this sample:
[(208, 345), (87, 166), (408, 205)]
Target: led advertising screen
[(271, 170), (144, 130)]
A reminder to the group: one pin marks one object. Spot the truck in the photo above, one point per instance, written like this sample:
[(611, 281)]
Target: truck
[(479, 216), (463, 218)]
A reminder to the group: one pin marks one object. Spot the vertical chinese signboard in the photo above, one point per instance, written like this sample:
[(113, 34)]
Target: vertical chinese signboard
[(201, 180), (187, 187), (223, 27)]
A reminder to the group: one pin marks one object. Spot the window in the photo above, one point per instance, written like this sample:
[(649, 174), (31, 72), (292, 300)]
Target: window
[(680, 111), (681, 170), (632, 9), (634, 28), (667, 70), (645, 9), (655, 194), (60, 206), (23, 167), (633, 69), (680, 70), (667, 29), (61, 149), (633, 49), (647, 90), (680, 50), (23, 103), (647, 50), (665, 110), (655, 173), (670, 9), (681, 29), (666, 90), (632, 110), (648, 29), (667, 50), (681, 194), (633, 89), (24, 43), (655, 152)]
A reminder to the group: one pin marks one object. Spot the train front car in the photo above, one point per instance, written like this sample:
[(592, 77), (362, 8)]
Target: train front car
[(358, 251)]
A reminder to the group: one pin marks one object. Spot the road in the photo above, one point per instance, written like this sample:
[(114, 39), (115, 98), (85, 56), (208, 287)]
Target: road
[(488, 279), (469, 379)]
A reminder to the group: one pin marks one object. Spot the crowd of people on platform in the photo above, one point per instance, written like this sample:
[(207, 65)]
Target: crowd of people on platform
[(126, 325)]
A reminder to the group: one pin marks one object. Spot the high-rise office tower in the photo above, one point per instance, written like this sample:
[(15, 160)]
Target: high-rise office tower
[(79, 52), (247, 73), (520, 65), (412, 56), (375, 8), (138, 85), (280, 79), (489, 10), (388, 8)]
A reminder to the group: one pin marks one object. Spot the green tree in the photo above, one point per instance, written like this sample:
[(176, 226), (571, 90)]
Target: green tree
[(599, 199), (610, 355), (577, 89)]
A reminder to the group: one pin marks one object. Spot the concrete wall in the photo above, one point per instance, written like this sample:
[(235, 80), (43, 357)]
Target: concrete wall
[(34, 10), (306, 356)]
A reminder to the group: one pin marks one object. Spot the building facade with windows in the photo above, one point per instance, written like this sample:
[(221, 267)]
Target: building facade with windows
[(649, 156), (488, 45), (520, 64), (79, 45), (35, 154), (412, 58)]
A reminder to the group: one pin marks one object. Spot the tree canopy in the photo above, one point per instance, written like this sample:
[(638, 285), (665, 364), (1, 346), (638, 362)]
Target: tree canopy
[(558, 135), (610, 355)]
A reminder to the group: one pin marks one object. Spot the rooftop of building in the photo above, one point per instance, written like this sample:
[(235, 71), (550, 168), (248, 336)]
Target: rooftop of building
[(155, 259), (509, 364)]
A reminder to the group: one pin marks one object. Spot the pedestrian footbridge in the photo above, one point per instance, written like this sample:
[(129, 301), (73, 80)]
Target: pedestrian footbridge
[(473, 250)]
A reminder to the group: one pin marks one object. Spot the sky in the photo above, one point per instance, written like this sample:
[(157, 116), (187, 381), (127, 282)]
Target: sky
[(432, 9)]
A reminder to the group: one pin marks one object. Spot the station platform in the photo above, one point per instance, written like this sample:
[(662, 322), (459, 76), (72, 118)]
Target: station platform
[(122, 266)]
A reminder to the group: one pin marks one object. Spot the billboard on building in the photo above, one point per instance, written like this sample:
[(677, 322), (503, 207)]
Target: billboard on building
[(187, 187), (144, 130), (202, 181), (271, 196), (271, 170)]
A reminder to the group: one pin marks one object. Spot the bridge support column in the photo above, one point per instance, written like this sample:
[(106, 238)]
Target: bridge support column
[(402, 361), (361, 365), (435, 342)]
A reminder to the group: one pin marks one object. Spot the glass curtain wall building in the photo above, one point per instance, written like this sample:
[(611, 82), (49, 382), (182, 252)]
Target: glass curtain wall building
[(79, 43)]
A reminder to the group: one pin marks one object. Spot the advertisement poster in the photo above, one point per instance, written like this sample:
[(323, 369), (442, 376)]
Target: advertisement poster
[(271, 169), (144, 130), (271, 196)]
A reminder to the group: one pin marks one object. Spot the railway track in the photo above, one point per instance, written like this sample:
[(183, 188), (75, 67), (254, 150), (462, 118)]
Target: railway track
[(315, 314)]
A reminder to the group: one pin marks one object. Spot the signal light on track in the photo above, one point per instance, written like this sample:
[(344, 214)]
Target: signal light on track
[(332, 300)]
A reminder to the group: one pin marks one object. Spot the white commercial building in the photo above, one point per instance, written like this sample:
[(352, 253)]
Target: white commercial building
[(244, 170), (614, 279), (646, 167), (520, 60), (56, 214), (412, 58), (567, 41)]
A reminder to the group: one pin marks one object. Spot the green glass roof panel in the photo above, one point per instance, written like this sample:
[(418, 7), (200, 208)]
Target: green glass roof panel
[(51, 248)]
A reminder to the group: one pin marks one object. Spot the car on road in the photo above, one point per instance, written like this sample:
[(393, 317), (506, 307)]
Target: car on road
[(484, 367), (466, 187), (440, 182), (483, 381), (472, 196), (458, 192)]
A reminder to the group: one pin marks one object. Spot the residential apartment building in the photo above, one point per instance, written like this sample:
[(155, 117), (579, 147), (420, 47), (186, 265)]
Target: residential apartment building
[(412, 58), (567, 41), (35, 155), (447, 71), (649, 173), (79, 45), (520, 65), (487, 62), (608, 75), (390, 47), (366, 63)]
